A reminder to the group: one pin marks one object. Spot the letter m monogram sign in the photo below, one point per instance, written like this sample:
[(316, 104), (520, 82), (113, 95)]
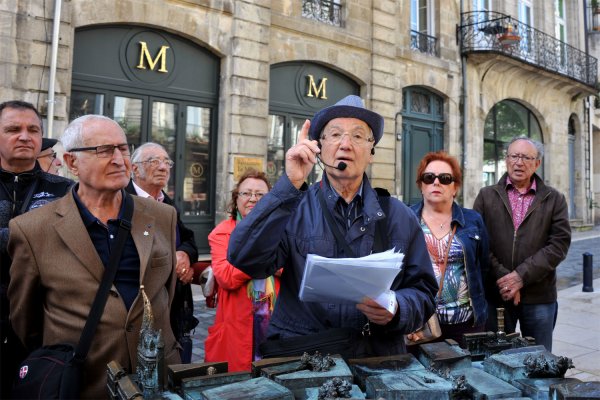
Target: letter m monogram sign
[(146, 58), (320, 92)]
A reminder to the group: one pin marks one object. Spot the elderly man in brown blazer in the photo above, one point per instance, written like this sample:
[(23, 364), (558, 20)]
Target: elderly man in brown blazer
[(60, 252)]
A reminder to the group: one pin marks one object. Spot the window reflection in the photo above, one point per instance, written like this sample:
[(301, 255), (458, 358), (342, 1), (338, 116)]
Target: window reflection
[(83, 103), (128, 114), (275, 148), (164, 132), (196, 181)]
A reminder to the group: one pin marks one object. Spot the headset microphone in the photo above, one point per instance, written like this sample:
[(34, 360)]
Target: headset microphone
[(341, 166)]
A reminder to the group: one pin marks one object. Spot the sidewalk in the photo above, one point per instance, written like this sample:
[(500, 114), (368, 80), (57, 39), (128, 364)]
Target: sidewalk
[(577, 235), (577, 331)]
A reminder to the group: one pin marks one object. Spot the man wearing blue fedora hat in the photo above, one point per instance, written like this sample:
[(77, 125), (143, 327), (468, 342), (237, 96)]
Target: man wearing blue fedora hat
[(341, 216)]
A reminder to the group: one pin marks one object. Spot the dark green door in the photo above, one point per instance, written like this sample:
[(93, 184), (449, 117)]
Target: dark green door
[(422, 127)]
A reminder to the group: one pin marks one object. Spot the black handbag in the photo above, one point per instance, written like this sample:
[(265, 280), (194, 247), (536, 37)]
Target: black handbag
[(56, 371)]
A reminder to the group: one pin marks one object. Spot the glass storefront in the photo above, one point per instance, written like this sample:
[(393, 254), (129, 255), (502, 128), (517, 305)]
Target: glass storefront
[(161, 88)]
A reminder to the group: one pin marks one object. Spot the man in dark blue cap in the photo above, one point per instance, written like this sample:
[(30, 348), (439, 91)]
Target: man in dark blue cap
[(291, 222), (47, 158)]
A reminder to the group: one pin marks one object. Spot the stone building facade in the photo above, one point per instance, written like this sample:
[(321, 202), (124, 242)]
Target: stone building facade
[(226, 84)]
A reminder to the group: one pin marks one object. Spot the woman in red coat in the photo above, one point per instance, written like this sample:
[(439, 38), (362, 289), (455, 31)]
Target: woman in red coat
[(244, 304)]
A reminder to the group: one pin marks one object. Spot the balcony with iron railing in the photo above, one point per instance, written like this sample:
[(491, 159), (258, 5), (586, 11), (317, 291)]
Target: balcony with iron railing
[(327, 11), (492, 32), (424, 43)]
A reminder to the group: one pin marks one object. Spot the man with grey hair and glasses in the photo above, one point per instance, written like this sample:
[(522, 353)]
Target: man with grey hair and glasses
[(151, 167), (60, 253), (528, 226)]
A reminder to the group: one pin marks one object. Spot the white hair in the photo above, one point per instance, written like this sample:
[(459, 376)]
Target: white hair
[(539, 147), (72, 137), (137, 154), (136, 157)]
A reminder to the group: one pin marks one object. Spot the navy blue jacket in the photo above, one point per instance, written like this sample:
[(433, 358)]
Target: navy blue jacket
[(287, 224), (472, 235)]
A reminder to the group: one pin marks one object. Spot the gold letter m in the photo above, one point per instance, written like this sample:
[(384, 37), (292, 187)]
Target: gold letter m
[(312, 86), (145, 55)]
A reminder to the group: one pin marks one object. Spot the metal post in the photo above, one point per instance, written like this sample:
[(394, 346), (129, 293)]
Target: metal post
[(588, 284), (53, 64)]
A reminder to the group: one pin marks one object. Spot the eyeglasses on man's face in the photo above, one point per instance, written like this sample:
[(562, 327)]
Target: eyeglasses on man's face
[(51, 155), (106, 150), (357, 138), (249, 195), (429, 177), (523, 157), (155, 162)]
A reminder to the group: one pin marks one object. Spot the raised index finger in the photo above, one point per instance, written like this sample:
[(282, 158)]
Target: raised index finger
[(304, 131)]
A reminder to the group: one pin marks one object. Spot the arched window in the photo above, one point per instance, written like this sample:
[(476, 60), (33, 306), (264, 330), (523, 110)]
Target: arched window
[(506, 120)]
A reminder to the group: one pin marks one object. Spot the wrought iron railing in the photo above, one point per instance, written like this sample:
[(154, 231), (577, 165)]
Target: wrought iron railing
[(424, 43), (326, 11), (482, 31)]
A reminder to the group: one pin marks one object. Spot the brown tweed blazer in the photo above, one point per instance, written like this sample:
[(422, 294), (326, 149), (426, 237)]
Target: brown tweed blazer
[(56, 272)]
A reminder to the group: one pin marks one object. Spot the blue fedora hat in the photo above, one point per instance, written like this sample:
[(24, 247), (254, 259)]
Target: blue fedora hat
[(349, 107)]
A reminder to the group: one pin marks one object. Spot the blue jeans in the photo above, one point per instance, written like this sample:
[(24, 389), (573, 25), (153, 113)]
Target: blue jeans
[(535, 320)]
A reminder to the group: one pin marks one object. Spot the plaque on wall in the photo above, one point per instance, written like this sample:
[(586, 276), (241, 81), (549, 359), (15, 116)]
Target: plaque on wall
[(242, 164)]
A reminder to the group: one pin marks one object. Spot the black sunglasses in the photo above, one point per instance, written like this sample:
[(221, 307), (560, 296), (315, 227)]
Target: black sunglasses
[(429, 177)]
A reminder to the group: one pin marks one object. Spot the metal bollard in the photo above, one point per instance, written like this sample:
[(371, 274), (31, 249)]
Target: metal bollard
[(588, 279)]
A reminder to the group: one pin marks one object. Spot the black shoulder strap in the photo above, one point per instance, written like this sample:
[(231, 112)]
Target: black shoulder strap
[(341, 242), (27, 198), (380, 244), (110, 272)]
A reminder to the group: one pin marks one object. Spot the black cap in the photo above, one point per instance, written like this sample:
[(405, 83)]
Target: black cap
[(48, 142)]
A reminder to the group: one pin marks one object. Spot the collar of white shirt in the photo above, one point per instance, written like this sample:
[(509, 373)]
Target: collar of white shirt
[(142, 193)]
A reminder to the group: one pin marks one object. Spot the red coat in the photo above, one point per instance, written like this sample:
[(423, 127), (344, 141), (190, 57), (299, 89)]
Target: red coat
[(230, 338)]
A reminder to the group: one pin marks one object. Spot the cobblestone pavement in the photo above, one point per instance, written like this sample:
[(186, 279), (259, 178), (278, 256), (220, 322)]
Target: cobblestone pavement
[(206, 317), (569, 274)]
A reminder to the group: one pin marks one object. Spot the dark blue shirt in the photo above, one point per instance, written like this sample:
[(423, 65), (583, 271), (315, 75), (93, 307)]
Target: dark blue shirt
[(346, 214), (127, 280)]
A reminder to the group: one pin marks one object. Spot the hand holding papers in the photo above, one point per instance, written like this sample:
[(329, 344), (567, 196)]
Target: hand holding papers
[(349, 280)]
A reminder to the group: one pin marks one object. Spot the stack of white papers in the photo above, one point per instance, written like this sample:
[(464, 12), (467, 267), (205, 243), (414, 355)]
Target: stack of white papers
[(350, 280)]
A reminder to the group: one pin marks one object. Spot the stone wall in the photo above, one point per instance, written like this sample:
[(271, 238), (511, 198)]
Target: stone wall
[(372, 47)]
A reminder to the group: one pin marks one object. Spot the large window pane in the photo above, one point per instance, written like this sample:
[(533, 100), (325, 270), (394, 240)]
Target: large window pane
[(128, 114), (196, 181), (506, 120), (511, 120), (163, 131), (275, 148), (83, 103)]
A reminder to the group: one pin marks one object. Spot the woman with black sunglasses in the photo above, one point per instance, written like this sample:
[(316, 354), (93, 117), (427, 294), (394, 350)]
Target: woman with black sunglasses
[(457, 242)]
